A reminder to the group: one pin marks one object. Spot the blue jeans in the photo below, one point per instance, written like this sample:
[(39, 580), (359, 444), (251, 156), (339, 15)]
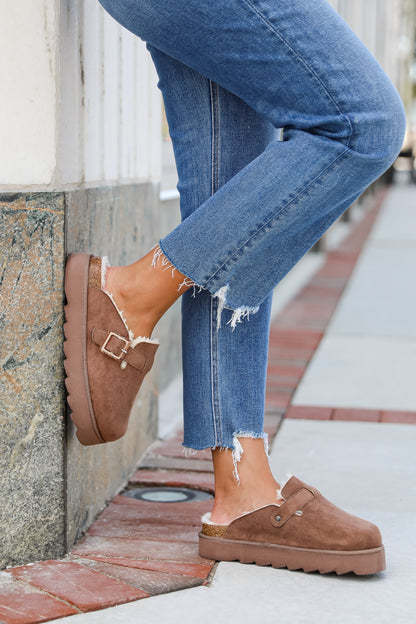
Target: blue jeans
[(232, 73)]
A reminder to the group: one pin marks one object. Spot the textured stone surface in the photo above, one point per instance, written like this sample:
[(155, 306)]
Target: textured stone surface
[(32, 415)]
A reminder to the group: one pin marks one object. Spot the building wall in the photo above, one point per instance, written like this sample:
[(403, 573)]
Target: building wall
[(82, 106), (110, 115)]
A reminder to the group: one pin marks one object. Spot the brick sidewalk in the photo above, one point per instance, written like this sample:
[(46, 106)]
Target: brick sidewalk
[(136, 549)]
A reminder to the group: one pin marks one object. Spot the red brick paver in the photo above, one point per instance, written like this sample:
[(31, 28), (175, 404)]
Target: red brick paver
[(130, 510), (174, 479), (139, 549), (196, 570), (78, 585), (151, 581), (177, 463), (310, 413), (364, 415), (173, 448), (276, 398), (408, 418), (22, 604)]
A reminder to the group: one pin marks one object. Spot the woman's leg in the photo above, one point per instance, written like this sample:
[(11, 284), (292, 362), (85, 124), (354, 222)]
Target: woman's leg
[(301, 67), (215, 135)]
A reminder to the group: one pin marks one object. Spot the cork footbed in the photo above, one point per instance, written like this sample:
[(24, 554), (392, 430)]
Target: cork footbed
[(214, 530)]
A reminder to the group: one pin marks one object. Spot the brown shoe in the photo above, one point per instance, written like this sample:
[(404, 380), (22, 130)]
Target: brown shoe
[(305, 532), (105, 365)]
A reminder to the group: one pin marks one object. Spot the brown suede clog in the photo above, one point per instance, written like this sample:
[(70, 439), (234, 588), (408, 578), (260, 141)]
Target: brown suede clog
[(105, 365), (305, 532)]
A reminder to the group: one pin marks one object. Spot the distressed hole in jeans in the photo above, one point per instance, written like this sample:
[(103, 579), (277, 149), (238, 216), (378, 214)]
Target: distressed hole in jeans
[(238, 315), (238, 450)]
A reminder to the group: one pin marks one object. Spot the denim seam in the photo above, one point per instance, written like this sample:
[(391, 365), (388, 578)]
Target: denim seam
[(214, 374), (215, 160), (215, 134), (273, 28), (272, 219)]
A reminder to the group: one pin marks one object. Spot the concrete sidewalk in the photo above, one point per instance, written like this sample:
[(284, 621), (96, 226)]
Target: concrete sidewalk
[(367, 359)]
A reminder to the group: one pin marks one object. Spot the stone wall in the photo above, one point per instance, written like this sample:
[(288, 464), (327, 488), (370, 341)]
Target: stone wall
[(32, 399)]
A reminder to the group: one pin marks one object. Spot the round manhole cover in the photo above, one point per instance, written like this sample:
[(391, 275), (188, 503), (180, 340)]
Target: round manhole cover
[(167, 494)]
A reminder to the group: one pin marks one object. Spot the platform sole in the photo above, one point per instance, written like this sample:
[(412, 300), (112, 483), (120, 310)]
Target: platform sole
[(75, 348), (359, 562)]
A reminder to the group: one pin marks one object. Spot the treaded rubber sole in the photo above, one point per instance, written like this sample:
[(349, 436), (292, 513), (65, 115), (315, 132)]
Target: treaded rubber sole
[(76, 290), (359, 562)]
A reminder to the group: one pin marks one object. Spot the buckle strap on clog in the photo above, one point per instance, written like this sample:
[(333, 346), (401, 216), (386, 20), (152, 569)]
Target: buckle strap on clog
[(118, 348), (291, 506)]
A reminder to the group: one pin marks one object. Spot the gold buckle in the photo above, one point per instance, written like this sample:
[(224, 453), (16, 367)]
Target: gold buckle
[(123, 352)]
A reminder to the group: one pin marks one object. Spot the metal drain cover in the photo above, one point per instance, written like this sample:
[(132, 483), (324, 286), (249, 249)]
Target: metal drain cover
[(167, 494)]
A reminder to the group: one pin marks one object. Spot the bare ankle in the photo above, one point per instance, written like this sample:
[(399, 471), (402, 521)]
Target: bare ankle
[(255, 486), (225, 510), (144, 291), (125, 287)]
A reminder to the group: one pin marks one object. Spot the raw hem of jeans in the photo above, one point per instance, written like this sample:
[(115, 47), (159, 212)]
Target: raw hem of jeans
[(238, 314), (167, 265)]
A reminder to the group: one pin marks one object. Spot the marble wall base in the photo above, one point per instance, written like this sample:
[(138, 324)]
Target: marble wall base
[(51, 488), (32, 397)]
